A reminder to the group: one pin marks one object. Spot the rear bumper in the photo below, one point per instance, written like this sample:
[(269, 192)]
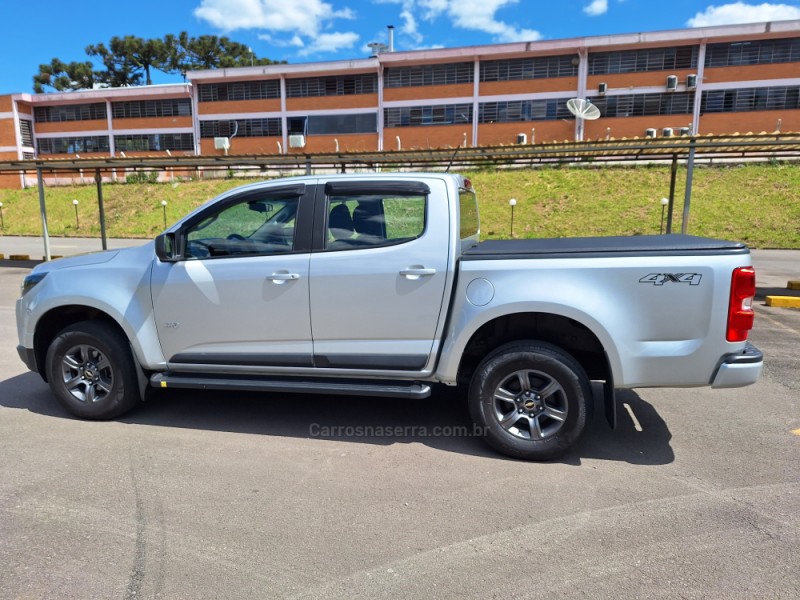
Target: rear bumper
[(28, 356), (739, 369)]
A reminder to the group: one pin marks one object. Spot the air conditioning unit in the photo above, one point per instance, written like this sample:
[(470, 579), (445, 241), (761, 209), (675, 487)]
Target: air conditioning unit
[(297, 141), (650, 133), (685, 131), (602, 87), (222, 143), (691, 82), (672, 83), (522, 138), (667, 132)]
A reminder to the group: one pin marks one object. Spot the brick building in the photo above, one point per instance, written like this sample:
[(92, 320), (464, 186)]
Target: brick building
[(713, 80)]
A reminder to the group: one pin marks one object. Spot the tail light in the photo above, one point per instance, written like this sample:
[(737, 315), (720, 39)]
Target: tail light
[(740, 310)]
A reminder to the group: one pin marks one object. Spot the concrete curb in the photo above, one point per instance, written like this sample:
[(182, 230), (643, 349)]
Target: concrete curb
[(793, 285), (783, 301), (27, 257)]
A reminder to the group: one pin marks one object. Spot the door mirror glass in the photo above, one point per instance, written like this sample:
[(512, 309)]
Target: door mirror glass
[(166, 248)]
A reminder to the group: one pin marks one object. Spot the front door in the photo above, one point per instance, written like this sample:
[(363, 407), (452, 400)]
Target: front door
[(240, 298)]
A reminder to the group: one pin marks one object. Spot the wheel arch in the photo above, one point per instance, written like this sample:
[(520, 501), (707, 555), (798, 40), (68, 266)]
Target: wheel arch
[(56, 319), (564, 332)]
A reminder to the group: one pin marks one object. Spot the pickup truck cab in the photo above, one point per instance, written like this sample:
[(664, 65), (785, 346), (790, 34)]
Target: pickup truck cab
[(378, 285)]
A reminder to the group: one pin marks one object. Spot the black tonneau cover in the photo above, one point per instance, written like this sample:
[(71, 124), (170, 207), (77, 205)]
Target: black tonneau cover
[(601, 247)]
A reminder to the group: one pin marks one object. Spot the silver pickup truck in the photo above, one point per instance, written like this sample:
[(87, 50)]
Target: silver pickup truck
[(378, 285)]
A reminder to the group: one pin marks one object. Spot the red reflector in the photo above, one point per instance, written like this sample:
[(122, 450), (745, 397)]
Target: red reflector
[(740, 309)]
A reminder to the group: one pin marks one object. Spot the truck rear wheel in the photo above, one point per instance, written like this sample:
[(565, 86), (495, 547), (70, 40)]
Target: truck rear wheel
[(90, 370), (531, 400)]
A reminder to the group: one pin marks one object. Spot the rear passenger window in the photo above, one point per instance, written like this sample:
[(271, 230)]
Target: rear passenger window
[(366, 221)]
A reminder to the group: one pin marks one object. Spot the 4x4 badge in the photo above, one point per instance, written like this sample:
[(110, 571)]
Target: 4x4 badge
[(662, 278)]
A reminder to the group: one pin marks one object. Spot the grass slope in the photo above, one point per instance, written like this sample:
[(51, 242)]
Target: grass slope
[(758, 204)]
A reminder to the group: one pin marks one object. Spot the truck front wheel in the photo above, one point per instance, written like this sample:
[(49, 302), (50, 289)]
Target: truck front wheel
[(91, 372), (531, 400)]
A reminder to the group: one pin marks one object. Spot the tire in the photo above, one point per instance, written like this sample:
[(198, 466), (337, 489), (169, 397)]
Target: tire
[(91, 372), (531, 400)]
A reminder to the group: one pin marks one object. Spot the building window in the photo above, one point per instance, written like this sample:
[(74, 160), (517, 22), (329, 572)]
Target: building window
[(70, 112), (541, 67), (351, 123), (750, 99), (240, 90), (342, 85), (416, 116), (26, 132), (523, 110), (645, 105), (246, 128), (73, 145), (638, 61), (159, 141), (152, 108), (761, 52), (396, 77)]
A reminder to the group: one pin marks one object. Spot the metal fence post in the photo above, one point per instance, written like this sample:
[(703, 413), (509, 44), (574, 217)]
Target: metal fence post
[(43, 212), (98, 178), (687, 199)]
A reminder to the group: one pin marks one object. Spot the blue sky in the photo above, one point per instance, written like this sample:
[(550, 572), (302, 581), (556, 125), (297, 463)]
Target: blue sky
[(311, 30)]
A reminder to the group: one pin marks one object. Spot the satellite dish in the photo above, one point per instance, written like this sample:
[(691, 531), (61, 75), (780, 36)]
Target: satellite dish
[(583, 109)]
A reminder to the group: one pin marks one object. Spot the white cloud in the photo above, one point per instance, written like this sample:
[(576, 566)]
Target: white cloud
[(410, 25), (480, 15), (739, 12), (596, 8), (433, 8), (330, 42), (295, 41), (472, 15), (306, 17)]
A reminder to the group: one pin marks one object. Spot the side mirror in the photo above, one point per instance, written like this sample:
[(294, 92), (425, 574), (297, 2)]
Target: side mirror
[(167, 248)]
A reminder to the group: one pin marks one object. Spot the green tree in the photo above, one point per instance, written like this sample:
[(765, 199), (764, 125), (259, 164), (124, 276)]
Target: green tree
[(62, 77), (213, 52), (131, 60)]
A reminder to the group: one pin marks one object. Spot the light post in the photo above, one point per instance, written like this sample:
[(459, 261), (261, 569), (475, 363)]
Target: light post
[(77, 222), (512, 203), (664, 202), (164, 208)]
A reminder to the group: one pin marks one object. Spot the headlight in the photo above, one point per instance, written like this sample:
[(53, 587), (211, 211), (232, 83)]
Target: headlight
[(30, 281)]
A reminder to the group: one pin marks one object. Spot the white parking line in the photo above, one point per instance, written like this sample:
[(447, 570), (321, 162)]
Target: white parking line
[(636, 424)]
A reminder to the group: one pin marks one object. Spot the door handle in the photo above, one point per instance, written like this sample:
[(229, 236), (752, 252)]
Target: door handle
[(283, 277), (417, 272)]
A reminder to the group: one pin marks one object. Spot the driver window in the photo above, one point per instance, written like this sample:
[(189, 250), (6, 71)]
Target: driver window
[(251, 227)]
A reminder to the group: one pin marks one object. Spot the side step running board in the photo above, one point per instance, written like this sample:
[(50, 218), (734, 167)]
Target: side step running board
[(308, 386)]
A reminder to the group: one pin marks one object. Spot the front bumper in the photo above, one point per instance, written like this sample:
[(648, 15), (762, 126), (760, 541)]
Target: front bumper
[(28, 356), (739, 369)]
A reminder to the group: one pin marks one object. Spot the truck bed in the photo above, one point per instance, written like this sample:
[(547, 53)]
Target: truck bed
[(600, 247)]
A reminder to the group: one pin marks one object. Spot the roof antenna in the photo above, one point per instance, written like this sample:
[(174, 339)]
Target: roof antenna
[(452, 158)]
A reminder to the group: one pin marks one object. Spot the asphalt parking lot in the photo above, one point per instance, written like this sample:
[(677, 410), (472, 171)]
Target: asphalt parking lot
[(232, 495)]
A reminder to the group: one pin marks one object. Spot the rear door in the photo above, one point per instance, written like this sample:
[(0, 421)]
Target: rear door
[(378, 277)]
